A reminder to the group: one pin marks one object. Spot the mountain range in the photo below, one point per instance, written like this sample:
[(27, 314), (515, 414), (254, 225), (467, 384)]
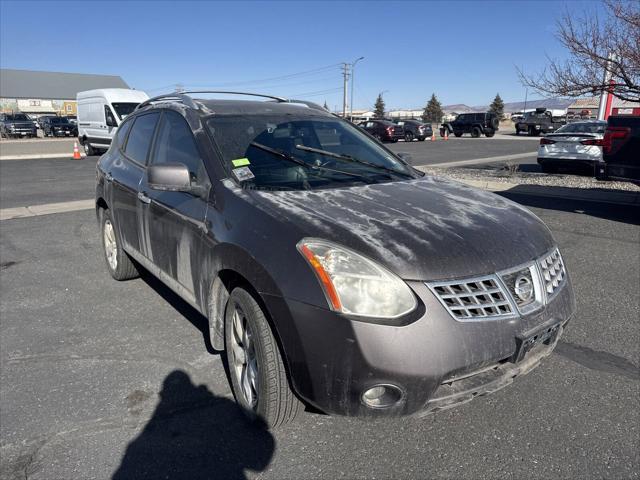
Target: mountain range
[(551, 103)]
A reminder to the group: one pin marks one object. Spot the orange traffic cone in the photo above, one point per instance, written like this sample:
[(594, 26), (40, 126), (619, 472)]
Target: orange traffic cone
[(76, 152), (433, 137), (446, 134)]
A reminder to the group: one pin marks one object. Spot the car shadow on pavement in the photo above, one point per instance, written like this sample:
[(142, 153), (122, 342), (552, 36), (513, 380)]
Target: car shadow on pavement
[(546, 200), (183, 308), (194, 434)]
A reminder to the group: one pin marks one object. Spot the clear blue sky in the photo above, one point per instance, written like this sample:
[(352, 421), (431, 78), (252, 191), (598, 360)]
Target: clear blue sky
[(465, 52)]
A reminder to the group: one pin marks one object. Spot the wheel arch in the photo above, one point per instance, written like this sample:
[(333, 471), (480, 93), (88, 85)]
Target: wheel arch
[(236, 267)]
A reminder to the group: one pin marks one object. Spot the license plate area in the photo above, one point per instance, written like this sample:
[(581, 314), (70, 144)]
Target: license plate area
[(544, 336)]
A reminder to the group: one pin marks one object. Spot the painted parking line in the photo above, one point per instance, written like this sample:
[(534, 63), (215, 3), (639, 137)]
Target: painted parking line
[(38, 156), (478, 161), (46, 209)]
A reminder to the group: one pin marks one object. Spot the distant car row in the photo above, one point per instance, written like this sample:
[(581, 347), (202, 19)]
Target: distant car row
[(388, 131), (608, 149), (18, 124)]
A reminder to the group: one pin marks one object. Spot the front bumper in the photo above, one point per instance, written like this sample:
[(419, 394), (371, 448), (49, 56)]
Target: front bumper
[(436, 361)]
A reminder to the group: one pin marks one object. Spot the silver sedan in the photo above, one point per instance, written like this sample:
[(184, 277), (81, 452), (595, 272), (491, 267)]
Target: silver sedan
[(575, 145)]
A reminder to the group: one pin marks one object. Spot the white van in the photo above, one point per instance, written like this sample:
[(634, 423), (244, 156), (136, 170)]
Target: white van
[(100, 112)]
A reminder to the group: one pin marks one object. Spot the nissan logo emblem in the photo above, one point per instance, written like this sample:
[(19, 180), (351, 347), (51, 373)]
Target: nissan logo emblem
[(523, 288)]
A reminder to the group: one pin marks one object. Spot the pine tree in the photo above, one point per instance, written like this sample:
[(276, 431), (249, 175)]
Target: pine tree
[(378, 109), (433, 111), (497, 106)]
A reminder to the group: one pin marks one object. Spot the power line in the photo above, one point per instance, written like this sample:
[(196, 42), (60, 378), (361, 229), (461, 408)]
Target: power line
[(314, 71)]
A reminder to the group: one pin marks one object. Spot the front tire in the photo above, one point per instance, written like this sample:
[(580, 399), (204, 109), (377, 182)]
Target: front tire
[(408, 137), (258, 377), (120, 266)]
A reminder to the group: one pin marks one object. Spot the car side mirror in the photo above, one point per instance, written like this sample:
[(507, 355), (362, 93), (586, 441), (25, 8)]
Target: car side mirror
[(173, 177), (111, 122)]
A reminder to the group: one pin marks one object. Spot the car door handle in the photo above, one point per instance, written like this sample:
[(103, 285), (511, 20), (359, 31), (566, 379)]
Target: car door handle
[(143, 197)]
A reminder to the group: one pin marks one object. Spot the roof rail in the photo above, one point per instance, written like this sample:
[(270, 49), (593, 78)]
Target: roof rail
[(185, 98), (308, 104)]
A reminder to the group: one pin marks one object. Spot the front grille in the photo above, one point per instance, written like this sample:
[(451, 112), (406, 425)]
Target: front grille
[(553, 272), (479, 298)]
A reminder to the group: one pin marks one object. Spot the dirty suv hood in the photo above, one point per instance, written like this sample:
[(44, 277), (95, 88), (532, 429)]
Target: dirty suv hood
[(424, 229)]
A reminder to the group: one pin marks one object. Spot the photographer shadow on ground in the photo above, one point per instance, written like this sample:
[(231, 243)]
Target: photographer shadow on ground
[(194, 434)]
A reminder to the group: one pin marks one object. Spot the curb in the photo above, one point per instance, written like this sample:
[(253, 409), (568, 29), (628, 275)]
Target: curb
[(615, 197), (37, 156)]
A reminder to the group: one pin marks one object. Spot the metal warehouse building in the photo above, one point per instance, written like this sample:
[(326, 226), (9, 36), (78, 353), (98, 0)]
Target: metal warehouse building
[(38, 93)]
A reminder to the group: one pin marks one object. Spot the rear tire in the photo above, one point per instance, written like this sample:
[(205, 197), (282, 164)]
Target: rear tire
[(88, 149), (475, 133), (408, 137), (120, 266), (258, 377), (533, 132), (490, 133), (546, 168)]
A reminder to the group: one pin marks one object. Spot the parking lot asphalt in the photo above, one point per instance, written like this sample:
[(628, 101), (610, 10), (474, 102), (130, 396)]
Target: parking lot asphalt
[(37, 182), (102, 379)]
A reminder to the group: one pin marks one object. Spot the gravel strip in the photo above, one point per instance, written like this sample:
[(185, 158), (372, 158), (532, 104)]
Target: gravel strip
[(520, 178)]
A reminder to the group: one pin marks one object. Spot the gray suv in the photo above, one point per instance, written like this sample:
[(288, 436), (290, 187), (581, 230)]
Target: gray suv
[(331, 272)]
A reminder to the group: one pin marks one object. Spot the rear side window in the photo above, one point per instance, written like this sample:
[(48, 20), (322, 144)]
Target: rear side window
[(121, 134), (175, 144), (141, 136)]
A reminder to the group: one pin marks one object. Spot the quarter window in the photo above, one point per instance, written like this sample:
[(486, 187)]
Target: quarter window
[(175, 144), (140, 137)]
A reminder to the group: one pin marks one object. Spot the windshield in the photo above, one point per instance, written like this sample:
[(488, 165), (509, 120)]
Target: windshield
[(593, 127), (59, 121), (124, 109), (18, 117), (322, 152)]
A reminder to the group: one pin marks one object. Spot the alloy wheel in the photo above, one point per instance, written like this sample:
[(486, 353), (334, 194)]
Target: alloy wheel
[(110, 245), (243, 358)]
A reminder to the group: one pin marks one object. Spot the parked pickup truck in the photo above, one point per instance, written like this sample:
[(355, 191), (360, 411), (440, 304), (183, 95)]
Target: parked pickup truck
[(621, 149), (540, 121)]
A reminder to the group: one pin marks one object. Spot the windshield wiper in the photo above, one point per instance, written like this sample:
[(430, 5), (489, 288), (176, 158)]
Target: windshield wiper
[(304, 164), (349, 158)]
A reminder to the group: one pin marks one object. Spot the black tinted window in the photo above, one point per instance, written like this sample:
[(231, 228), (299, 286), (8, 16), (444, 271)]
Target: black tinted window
[(141, 136), (175, 144), (121, 134)]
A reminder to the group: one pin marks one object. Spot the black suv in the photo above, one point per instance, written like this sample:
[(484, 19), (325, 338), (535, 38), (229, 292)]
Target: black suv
[(17, 125), (330, 271), (415, 129), (57, 126), (476, 124), (621, 149), (383, 130)]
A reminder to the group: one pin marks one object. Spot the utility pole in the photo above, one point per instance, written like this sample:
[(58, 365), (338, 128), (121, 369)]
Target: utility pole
[(353, 74), (345, 74)]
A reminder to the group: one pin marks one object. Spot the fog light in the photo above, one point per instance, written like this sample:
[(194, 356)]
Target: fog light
[(381, 396)]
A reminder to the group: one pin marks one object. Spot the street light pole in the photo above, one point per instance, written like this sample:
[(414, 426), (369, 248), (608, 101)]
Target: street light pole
[(353, 73), (345, 74)]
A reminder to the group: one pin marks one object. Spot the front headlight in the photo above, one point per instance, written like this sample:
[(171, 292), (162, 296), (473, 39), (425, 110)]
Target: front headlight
[(354, 284)]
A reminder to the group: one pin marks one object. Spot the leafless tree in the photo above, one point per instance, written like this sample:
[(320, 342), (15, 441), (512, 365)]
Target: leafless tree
[(595, 45)]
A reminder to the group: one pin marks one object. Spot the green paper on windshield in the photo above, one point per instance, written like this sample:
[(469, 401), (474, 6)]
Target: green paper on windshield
[(240, 162)]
